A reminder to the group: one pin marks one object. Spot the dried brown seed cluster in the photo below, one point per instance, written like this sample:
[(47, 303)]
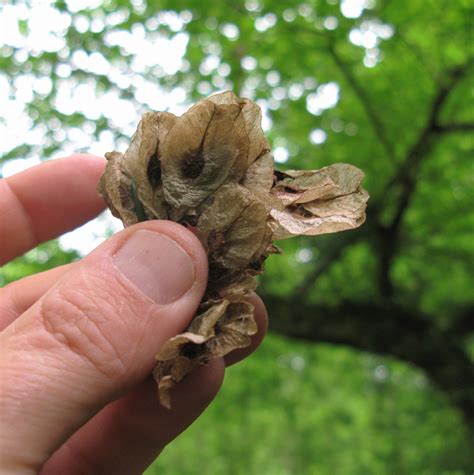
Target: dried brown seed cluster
[(212, 169)]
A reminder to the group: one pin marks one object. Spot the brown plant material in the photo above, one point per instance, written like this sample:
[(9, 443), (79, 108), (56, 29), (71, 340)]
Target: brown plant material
[(212, 169)]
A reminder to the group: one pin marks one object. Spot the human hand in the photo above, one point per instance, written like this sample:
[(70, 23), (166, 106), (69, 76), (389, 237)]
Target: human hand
[(77, 343)]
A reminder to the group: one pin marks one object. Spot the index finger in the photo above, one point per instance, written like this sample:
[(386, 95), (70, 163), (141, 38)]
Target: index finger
[(47, 200)]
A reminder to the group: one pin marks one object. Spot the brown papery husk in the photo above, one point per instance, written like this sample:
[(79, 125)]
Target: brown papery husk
[(212, 169)]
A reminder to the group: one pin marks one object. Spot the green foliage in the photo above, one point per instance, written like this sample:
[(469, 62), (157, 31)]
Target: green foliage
[(44, 257), (299, 409), (380, 111), (401, 112)]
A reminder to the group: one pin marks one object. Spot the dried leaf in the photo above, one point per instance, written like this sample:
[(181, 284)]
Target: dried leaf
[(302, 186), (287, 224), (225, 326), (259, 175), (212, 169), (352, 205), (206, 147), (116, 187), (235, 224)]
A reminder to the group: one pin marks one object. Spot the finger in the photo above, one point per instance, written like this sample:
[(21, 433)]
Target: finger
[(19, 296), (137, 426), (261, 318), (22, 294), (93, 336), (128, 435), (46, 201)]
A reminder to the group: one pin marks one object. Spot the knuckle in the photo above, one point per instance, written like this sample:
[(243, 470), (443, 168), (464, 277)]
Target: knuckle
[(81, 319)]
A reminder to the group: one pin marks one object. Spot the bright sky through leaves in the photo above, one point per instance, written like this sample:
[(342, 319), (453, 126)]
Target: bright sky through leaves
[(46, 28)]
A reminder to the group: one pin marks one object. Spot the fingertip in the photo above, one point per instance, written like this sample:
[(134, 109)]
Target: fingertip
[(187, 240), (47, 200), (92, 165), (199, 388)]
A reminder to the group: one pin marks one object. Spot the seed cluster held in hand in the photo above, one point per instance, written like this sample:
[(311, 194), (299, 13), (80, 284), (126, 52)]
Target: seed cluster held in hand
[(212, 170)]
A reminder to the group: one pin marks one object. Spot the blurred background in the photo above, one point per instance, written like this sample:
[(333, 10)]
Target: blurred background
[(368, 368)]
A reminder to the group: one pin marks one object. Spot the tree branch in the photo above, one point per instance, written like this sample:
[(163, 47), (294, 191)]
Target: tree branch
[(418, 151), (406, 178), (329, 254), (417, 53), (386, 329), (364, 99), (463, 324), (455, 127), (379, 130)]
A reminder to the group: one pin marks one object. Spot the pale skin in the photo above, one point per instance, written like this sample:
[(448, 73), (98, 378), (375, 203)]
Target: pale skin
[(77, 342)]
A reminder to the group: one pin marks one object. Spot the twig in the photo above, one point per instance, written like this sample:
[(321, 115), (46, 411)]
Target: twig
[(366, 102)]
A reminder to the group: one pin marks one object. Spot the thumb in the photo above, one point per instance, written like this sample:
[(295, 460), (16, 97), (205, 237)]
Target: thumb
[(94, 334)]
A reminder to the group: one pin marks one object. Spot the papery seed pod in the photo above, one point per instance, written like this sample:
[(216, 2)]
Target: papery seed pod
[(212, 168), (207, 147)]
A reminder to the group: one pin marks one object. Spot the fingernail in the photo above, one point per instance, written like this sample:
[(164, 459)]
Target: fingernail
[(157, 265)]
